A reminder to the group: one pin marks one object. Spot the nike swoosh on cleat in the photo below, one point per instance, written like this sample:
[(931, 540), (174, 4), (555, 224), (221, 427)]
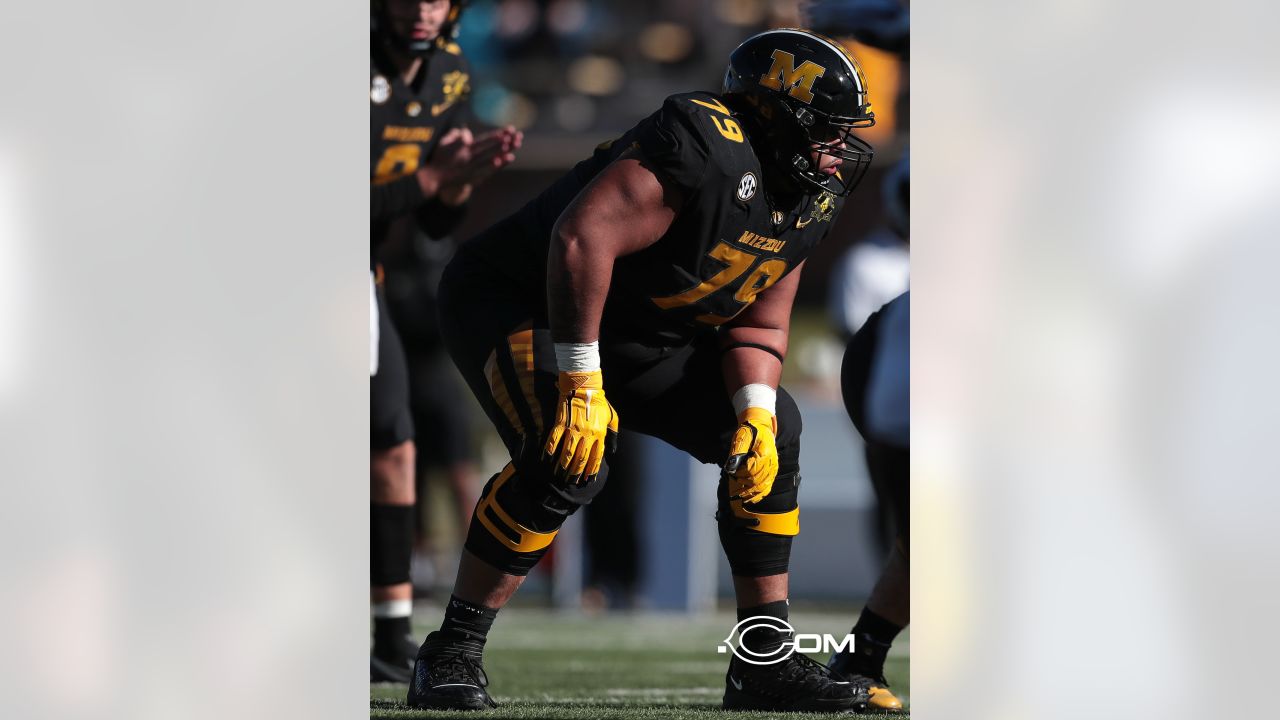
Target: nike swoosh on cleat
[(433, 687), (735, 682)]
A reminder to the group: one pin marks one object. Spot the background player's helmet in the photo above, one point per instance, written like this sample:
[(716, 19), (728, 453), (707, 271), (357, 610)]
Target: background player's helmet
[(794, 88), (382, 29)]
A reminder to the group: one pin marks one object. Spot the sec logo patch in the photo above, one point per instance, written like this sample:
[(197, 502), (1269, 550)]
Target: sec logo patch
[(379, 90), (747, 187)]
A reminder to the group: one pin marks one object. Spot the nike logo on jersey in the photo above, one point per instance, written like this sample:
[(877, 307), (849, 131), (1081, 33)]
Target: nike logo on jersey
[(801, 223), (454, 86)]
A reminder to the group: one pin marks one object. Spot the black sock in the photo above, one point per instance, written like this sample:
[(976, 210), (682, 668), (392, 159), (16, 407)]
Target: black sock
[(775, 609), (465, 628), (389, 635), (880, 630), (765, 640), (873, 635)]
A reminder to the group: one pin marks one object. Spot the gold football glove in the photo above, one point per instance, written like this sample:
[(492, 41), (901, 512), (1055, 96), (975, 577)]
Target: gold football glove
[(586, 427), (753, 456)]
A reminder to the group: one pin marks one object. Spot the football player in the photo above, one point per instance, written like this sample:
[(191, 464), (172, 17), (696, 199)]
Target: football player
[(651, 287), (425, 162), (875, 382)]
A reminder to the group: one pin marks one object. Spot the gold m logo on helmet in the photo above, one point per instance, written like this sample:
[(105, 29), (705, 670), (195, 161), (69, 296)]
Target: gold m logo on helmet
[(798, 80)]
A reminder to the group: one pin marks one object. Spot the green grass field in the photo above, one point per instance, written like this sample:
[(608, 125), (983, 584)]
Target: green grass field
[(545, 665)]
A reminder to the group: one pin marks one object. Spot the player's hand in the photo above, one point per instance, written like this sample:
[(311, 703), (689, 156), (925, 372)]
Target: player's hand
[(462, 160), (586, 428), (753, 456), (495, 149)]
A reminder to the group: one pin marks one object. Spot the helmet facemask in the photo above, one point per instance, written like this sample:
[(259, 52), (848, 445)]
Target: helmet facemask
[(832, 136)]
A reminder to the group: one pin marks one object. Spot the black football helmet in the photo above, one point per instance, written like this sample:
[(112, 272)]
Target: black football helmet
[(797, 91), (383, 29)]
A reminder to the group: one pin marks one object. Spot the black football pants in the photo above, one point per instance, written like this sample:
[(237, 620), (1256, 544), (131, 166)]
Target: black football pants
[(498, 336)]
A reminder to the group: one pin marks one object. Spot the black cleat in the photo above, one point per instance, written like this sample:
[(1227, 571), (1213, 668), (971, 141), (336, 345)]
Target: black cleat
[(879, 698), (448, 679), (797, 684), (393, 662)]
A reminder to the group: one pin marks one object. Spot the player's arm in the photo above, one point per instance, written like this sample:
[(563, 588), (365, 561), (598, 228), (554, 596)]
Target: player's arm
[(459, 116), (500, 144), (441, 214), (753, 346), (460, 161), (755, 341), (626, 208)]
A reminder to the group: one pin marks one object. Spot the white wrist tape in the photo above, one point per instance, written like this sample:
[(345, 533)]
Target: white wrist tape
[(578, 357), (755, 395)]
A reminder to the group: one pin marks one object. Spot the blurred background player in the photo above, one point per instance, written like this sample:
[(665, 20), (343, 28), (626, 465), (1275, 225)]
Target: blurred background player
[(874, 271), (884, 24), (441, 408), (877, 268), (876, 385), (425, 164), (661, 272)]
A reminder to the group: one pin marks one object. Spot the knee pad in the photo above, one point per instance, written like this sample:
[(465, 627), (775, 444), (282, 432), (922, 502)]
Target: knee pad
[(519, 514), (390, 544), (757, 537), (790, 426)]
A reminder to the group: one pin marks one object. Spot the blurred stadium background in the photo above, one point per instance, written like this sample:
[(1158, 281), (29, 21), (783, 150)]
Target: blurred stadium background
[(573, 74)]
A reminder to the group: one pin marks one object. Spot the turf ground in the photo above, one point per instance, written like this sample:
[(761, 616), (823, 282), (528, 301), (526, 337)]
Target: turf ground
[(546, 665)]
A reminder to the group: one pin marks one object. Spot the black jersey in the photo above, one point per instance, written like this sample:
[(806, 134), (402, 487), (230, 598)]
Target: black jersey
[(408, 121), (406, 124), (730, 240)]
